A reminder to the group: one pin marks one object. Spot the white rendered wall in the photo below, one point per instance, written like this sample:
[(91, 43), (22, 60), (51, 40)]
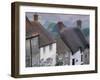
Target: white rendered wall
[(76, 56), (49, 53)]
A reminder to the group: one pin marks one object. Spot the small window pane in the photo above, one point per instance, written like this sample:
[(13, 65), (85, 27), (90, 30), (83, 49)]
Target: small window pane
[(28, 54), (50, 47), (43, 49), (81, 57), (73, 61), (35, 51), (34, 41)]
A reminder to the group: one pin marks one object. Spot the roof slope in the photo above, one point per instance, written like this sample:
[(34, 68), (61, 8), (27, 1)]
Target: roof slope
[(72, 37), (81, 36), (61, 46), (35, 27), (28, 28)]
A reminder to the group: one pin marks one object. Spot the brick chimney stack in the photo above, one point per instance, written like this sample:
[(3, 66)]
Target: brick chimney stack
[(79, 24), (60, 25), (35, 17)]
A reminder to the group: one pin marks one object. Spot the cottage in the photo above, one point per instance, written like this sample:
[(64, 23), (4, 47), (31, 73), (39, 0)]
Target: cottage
[(75, 41), (63, 52), (40, 45)]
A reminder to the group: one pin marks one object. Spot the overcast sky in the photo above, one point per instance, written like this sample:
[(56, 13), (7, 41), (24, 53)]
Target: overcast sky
[(68, 19)]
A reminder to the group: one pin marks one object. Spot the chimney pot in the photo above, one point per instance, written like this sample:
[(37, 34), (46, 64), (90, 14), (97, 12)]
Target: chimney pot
[(35, 17), (79, 23), (60, 25)]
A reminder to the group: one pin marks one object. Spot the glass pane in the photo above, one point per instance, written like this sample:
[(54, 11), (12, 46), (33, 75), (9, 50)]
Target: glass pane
[(28, 54), (35, 52)]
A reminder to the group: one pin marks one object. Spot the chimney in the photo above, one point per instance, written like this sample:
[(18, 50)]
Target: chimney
[(60, 25), (79, 24), (35, 17)]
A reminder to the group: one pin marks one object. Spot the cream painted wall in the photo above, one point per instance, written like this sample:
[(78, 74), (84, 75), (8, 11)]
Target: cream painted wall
[(5, 41)]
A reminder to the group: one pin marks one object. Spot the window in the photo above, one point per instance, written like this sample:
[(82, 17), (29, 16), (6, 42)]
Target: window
[(50, 47), (73, 61), (28, 54), (43, 49), (32, 52), (34, 42), (81, 58), (85, 56)]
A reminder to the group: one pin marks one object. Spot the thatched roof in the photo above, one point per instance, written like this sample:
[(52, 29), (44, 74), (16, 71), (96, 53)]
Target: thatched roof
[(33, 27), (72, 37)]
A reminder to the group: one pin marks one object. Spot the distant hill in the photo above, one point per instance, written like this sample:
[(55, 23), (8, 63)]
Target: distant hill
[(52, 28), (86, 32)]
